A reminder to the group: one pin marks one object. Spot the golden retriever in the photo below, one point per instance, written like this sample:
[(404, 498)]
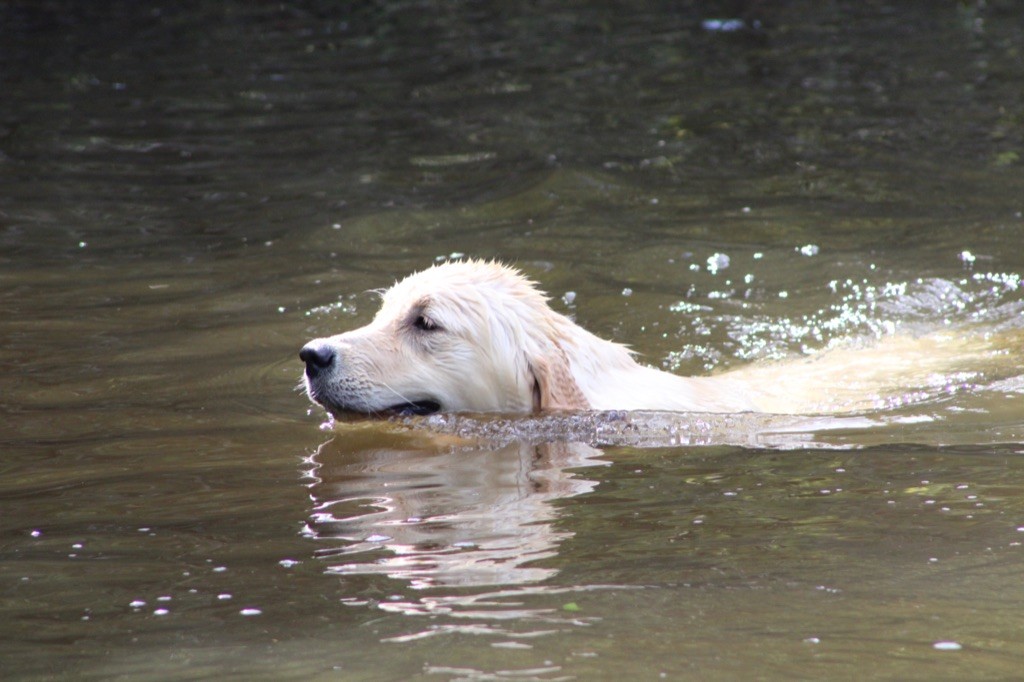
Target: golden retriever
[(477, 336)]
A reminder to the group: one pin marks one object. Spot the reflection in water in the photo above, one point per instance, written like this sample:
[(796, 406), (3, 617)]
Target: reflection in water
[(443, 516), (183, 180)]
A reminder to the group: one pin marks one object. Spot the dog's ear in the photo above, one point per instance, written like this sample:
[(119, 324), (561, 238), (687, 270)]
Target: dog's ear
[(554, 387)]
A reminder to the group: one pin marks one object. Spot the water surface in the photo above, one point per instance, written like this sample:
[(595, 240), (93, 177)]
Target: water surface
[(189, 193)]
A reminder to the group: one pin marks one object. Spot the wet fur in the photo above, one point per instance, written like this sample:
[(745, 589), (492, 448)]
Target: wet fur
[(476, 336)]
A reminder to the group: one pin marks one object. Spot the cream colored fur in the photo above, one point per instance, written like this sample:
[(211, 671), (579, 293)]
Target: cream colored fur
[(477, 336)]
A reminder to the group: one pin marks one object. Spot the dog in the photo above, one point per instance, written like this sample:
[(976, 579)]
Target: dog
[(478, 336)]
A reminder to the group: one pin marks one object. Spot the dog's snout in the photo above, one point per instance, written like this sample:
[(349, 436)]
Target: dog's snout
[(317, 356)]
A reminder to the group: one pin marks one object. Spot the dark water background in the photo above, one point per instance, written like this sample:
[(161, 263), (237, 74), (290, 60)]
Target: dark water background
[(189, 191)]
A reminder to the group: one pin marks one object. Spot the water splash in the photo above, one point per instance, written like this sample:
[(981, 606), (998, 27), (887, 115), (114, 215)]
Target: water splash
[(856, 310)]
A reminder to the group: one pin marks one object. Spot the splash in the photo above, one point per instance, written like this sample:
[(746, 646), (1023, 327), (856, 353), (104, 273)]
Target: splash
[(726, 321)]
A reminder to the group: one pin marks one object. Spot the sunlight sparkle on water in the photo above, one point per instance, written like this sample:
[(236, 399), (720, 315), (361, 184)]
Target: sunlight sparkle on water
[(716, 262), (860, 309)]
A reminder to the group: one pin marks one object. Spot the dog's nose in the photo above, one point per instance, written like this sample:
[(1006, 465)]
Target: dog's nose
[(317, 356)]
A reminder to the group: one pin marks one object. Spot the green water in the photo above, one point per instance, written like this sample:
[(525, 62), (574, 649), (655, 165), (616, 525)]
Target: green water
[(189, 193)]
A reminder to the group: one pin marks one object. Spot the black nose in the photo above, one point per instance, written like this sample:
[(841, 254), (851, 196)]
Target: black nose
[(317, 356)]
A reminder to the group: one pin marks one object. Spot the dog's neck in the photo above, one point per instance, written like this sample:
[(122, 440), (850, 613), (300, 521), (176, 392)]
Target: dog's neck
[(607, 377)]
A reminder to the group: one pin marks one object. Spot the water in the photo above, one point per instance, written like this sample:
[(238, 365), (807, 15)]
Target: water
[(190, 193)]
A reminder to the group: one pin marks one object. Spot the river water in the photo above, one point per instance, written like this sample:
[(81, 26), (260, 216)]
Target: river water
[(191, 191)]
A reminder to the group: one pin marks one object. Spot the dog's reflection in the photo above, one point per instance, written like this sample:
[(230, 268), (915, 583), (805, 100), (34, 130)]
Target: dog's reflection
[(437, 515)]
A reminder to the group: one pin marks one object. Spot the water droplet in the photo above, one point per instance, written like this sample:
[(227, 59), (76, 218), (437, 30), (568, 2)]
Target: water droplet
[(947, 646), (717, 261), (723, 25), (250, 612)]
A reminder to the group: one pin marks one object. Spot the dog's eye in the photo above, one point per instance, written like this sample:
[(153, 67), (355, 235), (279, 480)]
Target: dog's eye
[(424, 323)]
